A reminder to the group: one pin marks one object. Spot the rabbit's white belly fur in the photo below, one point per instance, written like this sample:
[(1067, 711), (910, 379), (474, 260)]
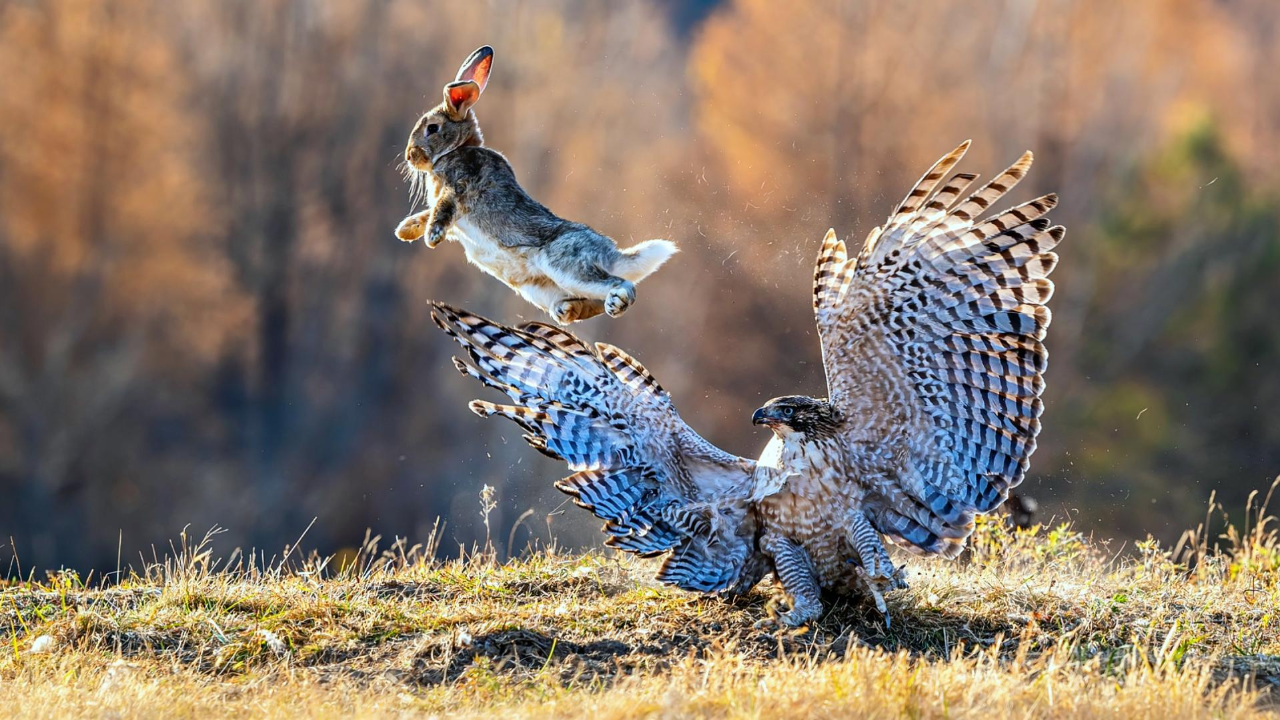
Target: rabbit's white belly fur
[(512, 266)]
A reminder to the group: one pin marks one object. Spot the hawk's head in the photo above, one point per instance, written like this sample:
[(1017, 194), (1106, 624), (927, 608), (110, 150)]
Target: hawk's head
[(812, 418)]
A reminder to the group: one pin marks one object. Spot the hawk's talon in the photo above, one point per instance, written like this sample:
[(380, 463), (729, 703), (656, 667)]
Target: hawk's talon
[(800, 615), (899, 578)]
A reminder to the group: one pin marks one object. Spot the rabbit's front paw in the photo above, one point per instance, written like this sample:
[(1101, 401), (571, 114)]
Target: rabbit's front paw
[(619, 299), (436, 236), (411, 228)]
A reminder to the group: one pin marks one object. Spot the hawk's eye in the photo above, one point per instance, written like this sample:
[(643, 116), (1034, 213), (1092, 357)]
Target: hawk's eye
[(788, 411), (432, 129)]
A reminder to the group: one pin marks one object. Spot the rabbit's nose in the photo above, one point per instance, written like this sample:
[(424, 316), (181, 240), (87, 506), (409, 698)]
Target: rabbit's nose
[(414, 154)]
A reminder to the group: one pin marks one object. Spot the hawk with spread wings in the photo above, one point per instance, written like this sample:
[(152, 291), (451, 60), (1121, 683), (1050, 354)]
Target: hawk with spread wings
[(932, 338)]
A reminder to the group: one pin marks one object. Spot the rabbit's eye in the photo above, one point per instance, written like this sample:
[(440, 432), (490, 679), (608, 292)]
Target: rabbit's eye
[(432, 129)]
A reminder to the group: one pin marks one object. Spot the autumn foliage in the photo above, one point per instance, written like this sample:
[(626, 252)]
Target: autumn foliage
[(205, 318)]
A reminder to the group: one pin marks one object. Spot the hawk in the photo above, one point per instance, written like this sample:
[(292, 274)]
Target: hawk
[(932, 339)]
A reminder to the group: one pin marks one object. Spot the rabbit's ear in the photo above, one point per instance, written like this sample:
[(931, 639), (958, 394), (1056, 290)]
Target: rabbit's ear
[(476, 67), (460, 96)]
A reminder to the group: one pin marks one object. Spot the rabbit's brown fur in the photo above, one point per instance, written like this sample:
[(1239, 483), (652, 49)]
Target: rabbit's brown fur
[(565, 268)]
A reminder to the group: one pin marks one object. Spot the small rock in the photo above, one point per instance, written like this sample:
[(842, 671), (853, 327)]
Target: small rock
[(274, 642), (117, 675), (43, 644)]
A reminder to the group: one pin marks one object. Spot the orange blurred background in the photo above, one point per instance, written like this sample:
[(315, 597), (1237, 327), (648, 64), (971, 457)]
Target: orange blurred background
[(205, 318)]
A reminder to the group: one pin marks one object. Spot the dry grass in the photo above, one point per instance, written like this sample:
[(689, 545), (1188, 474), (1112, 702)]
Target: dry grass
[(1035, 623)]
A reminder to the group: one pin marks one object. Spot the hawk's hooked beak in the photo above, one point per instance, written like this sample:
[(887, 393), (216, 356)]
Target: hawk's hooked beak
[(759, 418)]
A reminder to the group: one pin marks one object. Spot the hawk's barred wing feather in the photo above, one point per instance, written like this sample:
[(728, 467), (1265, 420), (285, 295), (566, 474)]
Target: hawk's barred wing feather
[(660, 486), (932, 341)]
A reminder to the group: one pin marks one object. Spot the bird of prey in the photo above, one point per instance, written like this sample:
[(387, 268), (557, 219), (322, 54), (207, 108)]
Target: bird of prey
[(932, 339)]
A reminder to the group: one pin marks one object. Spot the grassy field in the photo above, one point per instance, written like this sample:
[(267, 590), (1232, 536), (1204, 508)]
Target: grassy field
[(1038, 623)]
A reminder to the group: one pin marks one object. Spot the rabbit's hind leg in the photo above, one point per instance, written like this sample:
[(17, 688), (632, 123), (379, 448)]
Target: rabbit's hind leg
[(556, 302), (571, 310), (616, 294), (620, 298), (581, 274)]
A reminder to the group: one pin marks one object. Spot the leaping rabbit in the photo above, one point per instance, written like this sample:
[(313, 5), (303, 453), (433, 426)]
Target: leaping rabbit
[(565, 268)]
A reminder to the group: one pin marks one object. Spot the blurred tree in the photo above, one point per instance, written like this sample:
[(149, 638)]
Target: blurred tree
[(204, 317), (113, 303), (1180, 366)]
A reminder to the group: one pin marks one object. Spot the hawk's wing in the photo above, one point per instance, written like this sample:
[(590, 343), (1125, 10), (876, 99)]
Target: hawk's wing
[(660, 485), (932, 341)]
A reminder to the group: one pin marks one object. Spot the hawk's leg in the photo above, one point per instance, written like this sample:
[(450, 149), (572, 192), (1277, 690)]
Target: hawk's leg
[(866, 541), (877, 571), (792, 566)]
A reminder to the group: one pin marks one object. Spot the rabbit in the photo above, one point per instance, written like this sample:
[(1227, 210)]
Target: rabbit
[(564, 268)]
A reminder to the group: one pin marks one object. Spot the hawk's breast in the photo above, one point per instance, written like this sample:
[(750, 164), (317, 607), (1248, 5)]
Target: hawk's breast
[(810, 509)]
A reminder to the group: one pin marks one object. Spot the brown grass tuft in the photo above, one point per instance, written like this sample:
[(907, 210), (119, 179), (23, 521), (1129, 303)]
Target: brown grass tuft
[(1038, 623)]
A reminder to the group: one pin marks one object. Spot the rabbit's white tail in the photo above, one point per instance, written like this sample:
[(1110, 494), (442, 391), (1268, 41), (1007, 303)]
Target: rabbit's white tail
[(640, 260)]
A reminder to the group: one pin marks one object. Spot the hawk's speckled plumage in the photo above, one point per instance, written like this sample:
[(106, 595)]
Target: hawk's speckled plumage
[(932, 337)]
